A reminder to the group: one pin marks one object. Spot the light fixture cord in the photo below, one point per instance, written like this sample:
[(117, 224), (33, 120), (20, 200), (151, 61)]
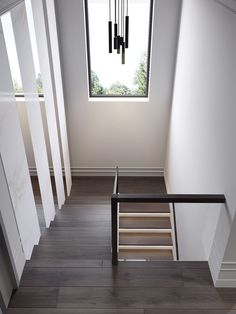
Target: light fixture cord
[(121, 18), (109, 10), (127, 8), (115, 11), (118, 26)]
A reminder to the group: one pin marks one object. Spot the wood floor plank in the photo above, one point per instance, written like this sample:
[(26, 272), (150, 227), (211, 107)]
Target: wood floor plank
[(197, 277), (171, 298), (35, 297), (75, 311), (78, 224), (63, 262), (105, 277), (182, 298), (188, 311), (77, 236), (159, 264), (72, 251)]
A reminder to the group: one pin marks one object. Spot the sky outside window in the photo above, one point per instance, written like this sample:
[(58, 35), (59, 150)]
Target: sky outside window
[(108, 76), (12, 51)]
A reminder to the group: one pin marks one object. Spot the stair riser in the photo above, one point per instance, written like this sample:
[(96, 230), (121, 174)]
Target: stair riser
[(151, 255)]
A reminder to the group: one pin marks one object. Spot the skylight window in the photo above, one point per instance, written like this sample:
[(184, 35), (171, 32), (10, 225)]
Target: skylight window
[(108, 77)]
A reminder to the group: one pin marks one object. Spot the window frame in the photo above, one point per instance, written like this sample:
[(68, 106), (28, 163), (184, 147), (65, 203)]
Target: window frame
[(150, 28)]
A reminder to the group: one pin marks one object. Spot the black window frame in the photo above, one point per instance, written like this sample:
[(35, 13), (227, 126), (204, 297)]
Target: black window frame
[(22, 95), (151, 13)]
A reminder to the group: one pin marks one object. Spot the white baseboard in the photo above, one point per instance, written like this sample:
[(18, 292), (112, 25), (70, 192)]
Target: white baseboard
[(227, 276), (225, 283), (110, 171), (166, 183), (18, 260), (223, 273), (214, 263)]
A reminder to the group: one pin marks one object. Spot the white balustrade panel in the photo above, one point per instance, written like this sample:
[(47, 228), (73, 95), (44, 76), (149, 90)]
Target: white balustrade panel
[(14, 158), (48, 88), (59, 90), (10, 228), (28, 76)]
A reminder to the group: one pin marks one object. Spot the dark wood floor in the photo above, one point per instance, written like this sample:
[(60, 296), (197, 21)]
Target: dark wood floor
[(70, 271)]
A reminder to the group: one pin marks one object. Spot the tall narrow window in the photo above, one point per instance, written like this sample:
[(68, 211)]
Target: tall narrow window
[(108, 77), (12, 53)]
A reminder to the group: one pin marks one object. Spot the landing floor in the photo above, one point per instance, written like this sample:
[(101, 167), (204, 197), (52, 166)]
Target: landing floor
[(70, 271)]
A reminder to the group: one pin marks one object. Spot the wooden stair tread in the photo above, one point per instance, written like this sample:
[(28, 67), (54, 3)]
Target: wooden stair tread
[(144, 207), (145, 215), (146, 247), (145, 222), (145, 239)]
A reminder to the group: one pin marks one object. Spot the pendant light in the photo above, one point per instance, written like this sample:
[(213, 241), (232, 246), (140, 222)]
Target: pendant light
[(127, 25), (118, 32), (110, 29), (121, 27), (115, 27)]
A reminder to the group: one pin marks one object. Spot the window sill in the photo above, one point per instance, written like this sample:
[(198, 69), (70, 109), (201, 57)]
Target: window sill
[(118, 99)]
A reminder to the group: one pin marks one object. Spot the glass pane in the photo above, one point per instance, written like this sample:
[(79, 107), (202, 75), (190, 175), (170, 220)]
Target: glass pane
[(30, 19), (12, 51), (108, 77)]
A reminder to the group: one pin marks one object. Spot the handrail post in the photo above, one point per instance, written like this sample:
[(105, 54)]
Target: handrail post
[(176, 236), (114, 227), (117, 184)]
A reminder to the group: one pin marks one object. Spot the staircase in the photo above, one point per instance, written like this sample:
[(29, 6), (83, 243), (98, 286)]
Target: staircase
[(144, 227), (145, 232)]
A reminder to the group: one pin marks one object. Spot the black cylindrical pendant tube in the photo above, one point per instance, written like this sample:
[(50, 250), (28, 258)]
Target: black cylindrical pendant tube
[(126, 32), (121, 40), (118, 44), (123, 54), (115, 36), (110, 36)]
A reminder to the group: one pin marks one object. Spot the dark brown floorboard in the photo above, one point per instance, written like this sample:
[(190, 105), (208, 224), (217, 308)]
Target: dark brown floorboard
[(70, 271), (76, 311)]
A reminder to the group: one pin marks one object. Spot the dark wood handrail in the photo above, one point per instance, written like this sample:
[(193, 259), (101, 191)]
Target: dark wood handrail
[(153, 198), (169, 198)]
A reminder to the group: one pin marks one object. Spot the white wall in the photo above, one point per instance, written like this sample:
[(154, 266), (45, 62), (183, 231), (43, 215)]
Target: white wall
[(202, 148), (128, 134)]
